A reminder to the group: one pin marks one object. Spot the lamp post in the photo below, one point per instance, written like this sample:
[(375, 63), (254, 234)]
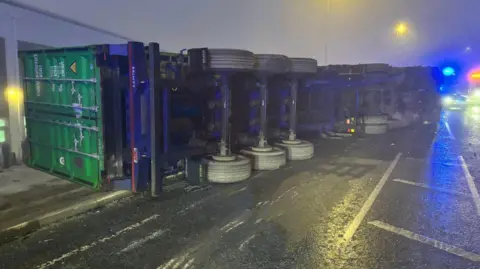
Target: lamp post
[(327, 32)]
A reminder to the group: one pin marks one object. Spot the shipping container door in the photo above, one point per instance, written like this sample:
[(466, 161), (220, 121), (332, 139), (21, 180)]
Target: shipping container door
[(63, 113)]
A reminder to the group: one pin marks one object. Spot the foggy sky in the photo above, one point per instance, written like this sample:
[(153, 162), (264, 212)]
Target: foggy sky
[(356, 31)]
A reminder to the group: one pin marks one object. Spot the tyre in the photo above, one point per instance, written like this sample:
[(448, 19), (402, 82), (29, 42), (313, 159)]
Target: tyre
[(375, 120), (231, 59), (297, 149), (273, 63), (376, 128), (236, 169), (304, 65), (266, 159)]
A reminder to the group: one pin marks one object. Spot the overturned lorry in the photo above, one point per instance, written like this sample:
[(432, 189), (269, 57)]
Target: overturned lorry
[(128, 116)]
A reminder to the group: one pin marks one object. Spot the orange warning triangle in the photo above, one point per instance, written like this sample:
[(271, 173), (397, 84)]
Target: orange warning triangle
[(73, 67)]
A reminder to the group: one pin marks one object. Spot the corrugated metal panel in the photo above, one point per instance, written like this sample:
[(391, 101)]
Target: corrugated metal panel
[(63, 113), (66, 146), (62, 81)]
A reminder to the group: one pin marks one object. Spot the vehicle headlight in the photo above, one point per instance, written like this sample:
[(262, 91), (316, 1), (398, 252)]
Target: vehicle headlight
[(447, 100), (476, 93)]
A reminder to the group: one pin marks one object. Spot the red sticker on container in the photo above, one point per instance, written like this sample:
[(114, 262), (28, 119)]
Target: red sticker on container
[(135, 155)]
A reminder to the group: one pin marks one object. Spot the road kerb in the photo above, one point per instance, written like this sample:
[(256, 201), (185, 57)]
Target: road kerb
[(24, 228)]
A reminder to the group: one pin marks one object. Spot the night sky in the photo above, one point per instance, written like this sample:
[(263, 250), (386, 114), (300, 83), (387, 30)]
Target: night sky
[(356, 31)]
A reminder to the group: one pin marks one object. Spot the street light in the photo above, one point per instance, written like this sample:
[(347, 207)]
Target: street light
[(403, 36), (327, 33), (401, 29)]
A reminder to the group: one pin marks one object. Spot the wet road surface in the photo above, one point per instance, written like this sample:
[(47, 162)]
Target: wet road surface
[(408, 199)]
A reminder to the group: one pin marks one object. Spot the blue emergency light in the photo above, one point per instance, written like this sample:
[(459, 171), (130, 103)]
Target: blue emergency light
[(448, 71)]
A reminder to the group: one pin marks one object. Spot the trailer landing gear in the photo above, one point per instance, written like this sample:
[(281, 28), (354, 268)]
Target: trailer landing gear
[(225, 167)]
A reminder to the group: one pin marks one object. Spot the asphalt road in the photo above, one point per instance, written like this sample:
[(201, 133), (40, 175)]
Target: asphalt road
[(407, 199)]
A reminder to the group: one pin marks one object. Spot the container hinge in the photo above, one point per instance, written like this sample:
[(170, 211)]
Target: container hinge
[(75, 141)]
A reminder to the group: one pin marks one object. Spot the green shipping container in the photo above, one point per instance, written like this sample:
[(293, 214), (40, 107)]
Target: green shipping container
[(63, 112)]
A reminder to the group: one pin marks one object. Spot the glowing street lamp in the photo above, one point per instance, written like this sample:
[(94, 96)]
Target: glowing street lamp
[(13, 95), (401, 29), (327, 31)]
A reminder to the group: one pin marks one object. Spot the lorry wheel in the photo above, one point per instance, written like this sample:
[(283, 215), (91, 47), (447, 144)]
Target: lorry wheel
[(376, 128), (375, 119), (231, 59), (227, 169), (297, 149), (267, 158)]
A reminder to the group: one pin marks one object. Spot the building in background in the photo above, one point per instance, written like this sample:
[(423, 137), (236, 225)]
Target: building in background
[(26, 28)]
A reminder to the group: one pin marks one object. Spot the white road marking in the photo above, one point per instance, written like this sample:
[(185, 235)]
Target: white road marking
[(190, 262), (228, 225), (283, 194), (234, 226), (277, 199), (135, 244), (195, 205), (430, 187), (264, 203), (245, 243), (185, 259), (291, 189), (94, 243), (450, 134), (471, 184), (426, 240), (352, 228), (167, 265), (180, 261), (237, 191), (273, 217), (231, 225)]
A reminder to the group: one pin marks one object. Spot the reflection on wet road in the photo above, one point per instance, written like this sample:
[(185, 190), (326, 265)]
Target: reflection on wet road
[(408, 199)]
